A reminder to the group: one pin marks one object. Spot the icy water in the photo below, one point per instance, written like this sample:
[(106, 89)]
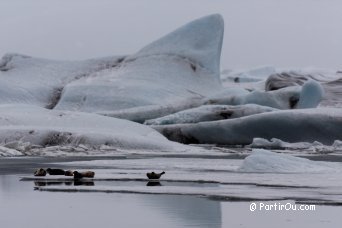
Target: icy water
[(119, 196), (21, 206)]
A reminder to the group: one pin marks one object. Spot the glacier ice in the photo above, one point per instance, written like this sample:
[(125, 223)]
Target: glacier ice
[(171, 74), (35, 81), (39, 126), (175, 80), (209, 113), (311, 95), (330, 81), (199, 41), (303, 147), (266, 161), (298, 125), (286, 98), (180, 67), (142, 113), (307, 96)]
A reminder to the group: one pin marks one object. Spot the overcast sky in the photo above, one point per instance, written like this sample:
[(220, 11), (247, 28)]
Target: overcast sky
[(283, 33)]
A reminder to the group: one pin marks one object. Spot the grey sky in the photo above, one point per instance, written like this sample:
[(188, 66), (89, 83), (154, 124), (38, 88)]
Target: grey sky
[(283, 33)]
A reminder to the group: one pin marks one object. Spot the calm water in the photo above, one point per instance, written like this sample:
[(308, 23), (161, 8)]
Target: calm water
[(22, 206)]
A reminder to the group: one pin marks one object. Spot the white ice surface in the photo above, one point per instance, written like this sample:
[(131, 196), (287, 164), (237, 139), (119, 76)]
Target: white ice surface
[(177, 68), (308, 96), (142, 113), (301, 147), (299, 125), (311, 95), (266, 161), (43, 127), (329, 80), (177, 72), (35, 81), (199, 41), (210, 113), (171, 74)]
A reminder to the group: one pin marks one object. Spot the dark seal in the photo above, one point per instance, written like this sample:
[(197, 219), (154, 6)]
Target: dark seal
[(55, 171), (154, 176), (79, 175), (40, 172)]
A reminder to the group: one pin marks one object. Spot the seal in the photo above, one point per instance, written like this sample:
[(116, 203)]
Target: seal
[(69, 173), (40, 172), (55, 171), (154, 176), (79, 175)]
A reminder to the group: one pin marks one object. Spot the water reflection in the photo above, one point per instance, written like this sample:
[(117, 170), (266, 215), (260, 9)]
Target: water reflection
[(45, 183), (67, 183), (17, 197), (153, 183), (85, 183)]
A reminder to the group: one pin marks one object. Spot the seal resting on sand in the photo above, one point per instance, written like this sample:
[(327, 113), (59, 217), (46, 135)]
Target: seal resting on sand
[(55, 171), (40, 172), (154, 176), (89, 174)]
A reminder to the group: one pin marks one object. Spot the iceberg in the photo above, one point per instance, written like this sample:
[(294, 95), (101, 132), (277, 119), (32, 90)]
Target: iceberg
[(172, 84), (285, 79), (180, 67), (307, 96), (210, 113), (45, 102), (43, 127), (330, 82), (315, 147), (169, 75), (311, 95), (35, 81), (279, 144), (264, 161), (142, 113), (298, 125)]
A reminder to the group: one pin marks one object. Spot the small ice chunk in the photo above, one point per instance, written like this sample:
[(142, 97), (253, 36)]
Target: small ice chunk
[(265, 161)]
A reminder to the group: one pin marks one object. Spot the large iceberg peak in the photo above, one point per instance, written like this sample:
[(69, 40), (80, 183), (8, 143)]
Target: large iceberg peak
[(200, 41), (175, 71)]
